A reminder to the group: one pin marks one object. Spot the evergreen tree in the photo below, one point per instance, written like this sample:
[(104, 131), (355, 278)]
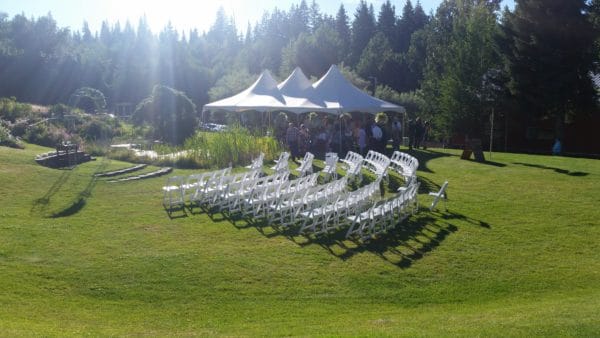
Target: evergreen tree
[(405, 27), (548, 47), (315, 16), (379, 60), (313, 53), (386, 21), (363, 28), (86, 33), (420, 19), (342, 28)]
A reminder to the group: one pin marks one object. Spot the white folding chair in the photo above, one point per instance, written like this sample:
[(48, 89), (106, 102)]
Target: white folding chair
[(330, 168), (257, 163), (305, 166), (282, 164), (173, 196), (441, 194)]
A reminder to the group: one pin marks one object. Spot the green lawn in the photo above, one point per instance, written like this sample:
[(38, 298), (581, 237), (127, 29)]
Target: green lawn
[(517, 254)]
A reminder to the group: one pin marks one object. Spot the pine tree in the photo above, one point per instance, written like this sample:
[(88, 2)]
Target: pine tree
[(315, 16), (420, 19), (548, 46), (405, 27), (343, 29), (386, 21), (363, 28)]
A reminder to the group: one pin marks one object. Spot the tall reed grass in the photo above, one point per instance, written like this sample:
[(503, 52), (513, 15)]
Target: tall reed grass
[(235, 146)]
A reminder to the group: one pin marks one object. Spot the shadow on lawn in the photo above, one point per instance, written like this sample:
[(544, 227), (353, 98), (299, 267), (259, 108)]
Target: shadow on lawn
[(40, 205), (81, 199), (402, 246), (424, 156), (556, 170)]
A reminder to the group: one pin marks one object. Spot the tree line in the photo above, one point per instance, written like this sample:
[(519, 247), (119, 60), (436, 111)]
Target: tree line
[(451, 66)]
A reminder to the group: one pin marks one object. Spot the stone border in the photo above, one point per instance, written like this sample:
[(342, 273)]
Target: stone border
[(160, 172), (121, 171)]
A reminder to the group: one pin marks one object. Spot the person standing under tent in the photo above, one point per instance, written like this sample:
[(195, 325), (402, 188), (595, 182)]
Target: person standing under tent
[(303, 140), (291, 138), (361, 139), (377, 137), (396, 133), (281, 122)]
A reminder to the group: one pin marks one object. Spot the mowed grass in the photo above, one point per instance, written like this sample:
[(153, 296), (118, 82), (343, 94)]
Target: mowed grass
[(516, 254)]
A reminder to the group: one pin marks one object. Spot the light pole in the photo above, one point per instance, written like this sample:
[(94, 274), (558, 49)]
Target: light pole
[(373, 83)]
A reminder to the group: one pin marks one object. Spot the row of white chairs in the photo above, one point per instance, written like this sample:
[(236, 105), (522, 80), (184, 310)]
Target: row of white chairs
[(405, 165), (384, 215), (210, 188), (264, 198), (288, 208), (232, 195), (332, 213), (377, 163), (181, 188)]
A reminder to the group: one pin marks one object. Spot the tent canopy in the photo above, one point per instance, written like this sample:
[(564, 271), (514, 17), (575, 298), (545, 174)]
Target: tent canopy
[(338, 93), (300, 96), (263, 96), (332, 94)]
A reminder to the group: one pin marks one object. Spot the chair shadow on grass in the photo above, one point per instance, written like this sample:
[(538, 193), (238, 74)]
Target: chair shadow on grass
[(80, 201), (171, 212), (40, 204), (556, 170), (407, 243)]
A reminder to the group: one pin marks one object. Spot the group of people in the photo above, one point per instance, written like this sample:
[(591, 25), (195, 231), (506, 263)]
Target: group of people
[(418, 133), (321, 135)]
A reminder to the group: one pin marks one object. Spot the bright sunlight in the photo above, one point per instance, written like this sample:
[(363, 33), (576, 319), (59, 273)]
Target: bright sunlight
[(184, 15)]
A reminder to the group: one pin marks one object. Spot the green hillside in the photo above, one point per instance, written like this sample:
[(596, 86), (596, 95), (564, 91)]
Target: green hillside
[(517, 254)]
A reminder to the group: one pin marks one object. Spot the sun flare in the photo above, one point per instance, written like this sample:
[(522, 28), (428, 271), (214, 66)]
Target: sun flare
[(183, 15)]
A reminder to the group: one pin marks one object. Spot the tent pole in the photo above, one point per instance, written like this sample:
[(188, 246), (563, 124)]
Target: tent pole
[(491, 132), (403, 126), (340, 136)]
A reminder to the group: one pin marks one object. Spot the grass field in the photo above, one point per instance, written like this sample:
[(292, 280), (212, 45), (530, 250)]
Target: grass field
[(516, 254)]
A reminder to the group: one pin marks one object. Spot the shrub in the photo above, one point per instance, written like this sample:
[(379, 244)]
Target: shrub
[(11, 110), (7, 139), (97, 130), (96, 149), (48, 135), (170, 112)]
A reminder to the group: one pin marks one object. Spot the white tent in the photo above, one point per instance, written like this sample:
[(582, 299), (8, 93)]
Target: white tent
[(331, 94), (263, 96), (339, 94), (300, 96)]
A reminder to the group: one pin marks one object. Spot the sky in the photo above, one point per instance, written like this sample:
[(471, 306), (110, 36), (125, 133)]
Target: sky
[(184, 15)]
